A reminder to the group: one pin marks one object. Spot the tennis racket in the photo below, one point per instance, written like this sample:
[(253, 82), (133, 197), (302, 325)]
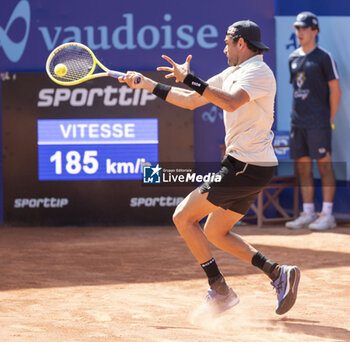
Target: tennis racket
[(73, 63)]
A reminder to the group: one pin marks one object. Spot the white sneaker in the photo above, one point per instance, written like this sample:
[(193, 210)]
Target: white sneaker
[(323, 222), (302, 221)]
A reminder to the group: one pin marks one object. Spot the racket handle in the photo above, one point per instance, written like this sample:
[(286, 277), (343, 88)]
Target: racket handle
[(117, 74)]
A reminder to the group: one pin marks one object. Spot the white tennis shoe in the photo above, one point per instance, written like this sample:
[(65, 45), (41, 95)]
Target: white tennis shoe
[(324, 222), (303, 221), (219, 303)]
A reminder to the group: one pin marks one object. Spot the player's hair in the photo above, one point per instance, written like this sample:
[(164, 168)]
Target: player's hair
[(249, 45), (315, 27)]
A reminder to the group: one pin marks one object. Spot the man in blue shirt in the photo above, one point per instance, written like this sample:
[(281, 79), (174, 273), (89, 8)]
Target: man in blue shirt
[(316, 96)]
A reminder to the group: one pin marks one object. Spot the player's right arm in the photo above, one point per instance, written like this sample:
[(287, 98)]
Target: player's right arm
[(180, 97)]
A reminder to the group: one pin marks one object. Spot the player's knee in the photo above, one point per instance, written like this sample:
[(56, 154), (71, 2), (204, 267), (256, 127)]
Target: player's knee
[(179, 218), (325, 169), (182, 220), (323, 172), (304, 173)]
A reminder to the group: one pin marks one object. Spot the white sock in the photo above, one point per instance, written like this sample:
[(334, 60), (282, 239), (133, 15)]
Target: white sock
[(327, 208), (308, 208)]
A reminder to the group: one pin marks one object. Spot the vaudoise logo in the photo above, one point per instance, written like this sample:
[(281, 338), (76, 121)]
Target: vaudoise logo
[(14, 50), (170, 33)]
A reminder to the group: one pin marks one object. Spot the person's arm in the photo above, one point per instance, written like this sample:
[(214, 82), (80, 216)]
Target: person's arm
[(226, 101), (334, 97), (177, 96), (330, 71)]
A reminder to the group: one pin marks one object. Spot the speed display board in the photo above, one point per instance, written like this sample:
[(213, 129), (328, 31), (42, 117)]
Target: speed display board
[(95, 149), (74, 155)]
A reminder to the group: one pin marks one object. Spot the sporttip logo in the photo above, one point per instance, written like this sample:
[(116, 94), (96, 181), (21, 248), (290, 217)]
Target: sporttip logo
[(153, 175), (14, 50), (80, 97), (162, 201), (45, 202)]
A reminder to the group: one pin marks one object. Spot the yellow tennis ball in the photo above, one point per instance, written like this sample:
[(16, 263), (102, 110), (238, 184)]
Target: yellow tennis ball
[(60, 69)]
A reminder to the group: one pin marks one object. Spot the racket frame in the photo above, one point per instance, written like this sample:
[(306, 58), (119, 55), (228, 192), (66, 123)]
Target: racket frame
[(90, 75)]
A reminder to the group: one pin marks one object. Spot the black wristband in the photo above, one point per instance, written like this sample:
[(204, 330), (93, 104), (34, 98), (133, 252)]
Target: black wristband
[(195, 83), (161, 90)]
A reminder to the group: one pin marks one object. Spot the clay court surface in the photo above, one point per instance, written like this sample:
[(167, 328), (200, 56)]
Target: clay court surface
[(142, 284)]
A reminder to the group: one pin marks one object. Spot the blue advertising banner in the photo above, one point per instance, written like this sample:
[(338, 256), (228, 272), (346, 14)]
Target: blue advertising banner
[(132, 35), (127, 34)]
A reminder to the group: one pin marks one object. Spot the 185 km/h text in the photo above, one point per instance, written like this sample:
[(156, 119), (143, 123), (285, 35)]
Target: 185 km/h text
[(74, 162)]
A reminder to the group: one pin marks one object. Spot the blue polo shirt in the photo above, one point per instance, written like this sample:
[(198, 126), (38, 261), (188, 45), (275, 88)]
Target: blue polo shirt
[(309, 75)]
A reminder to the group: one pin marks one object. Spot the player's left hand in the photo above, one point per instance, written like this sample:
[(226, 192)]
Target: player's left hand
[(179, 71)]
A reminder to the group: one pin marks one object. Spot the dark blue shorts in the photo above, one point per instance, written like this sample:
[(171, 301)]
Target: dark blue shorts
[(311, 142)]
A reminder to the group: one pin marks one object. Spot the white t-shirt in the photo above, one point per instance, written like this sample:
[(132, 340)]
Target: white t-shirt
[(248, 129)]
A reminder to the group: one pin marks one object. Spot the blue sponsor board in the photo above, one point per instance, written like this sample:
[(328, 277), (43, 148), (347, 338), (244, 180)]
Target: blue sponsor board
[(30, 29), (127, 35), (96, 149)]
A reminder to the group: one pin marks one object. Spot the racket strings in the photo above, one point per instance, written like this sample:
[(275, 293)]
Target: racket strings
[(78, 61)]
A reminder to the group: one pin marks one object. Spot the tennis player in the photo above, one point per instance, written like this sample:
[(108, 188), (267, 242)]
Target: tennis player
[(245, 91)]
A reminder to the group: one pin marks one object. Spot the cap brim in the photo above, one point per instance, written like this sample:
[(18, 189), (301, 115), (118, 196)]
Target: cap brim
[(300, 24), (259, 45)]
